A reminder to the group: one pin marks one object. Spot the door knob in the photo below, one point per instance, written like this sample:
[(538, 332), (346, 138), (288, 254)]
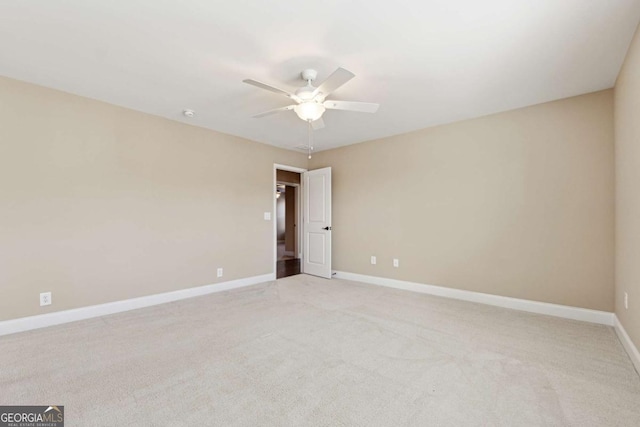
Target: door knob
[(327, 228)]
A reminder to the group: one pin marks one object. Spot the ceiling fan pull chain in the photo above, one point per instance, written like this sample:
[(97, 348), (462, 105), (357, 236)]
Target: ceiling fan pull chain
[(309, 138)]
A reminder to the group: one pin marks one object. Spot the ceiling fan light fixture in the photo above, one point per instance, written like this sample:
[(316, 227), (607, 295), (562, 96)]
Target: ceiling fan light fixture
[(309, 111)]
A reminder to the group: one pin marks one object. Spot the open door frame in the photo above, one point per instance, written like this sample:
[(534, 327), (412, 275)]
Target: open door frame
[(296, 187), (299, 230)]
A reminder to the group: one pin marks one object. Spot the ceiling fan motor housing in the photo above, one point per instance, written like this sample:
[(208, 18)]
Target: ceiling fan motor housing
[(306, 93)]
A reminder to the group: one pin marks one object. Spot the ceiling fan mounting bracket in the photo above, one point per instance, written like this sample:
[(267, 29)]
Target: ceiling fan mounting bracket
[(309, 75)]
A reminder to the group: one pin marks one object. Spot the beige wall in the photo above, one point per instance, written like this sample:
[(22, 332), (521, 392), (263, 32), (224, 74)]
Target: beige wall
[(100, 203), (627, 131), (518, 204)]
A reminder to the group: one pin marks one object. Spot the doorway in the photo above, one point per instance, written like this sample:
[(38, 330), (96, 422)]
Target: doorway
[(288, 237)]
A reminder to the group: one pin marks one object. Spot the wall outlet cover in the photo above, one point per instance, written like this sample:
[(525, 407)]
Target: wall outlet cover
[(396, 262), (45, 298), (373, 260), (220, 272)]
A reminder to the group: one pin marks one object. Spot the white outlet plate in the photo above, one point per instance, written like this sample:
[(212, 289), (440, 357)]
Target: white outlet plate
[(626, 301), (45, 298), (396, 262), (373, 260), (220, 272), (267, 216)]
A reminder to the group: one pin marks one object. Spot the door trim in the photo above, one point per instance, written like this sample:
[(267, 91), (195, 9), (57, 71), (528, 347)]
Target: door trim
[(274, 242), (298, 211)]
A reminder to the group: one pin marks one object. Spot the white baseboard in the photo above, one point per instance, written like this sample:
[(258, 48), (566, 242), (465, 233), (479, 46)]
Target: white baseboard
[(628, 345), (59, 317), (567, 312)]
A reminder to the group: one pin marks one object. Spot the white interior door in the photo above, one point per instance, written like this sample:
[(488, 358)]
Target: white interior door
[(317, 223)]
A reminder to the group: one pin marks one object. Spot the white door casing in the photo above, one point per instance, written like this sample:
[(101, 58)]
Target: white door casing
[(299, 230), (317, 222)]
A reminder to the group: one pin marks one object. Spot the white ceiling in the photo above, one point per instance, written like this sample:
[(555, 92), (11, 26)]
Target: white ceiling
[(426, 62)]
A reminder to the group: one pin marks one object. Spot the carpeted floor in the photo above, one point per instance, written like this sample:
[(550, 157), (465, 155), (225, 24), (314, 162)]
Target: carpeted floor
[(307, 351)]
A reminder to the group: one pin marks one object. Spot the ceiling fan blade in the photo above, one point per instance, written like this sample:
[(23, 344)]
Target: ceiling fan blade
[(362, 107), (274, 111), (272, 89), (317, 124), (333, 82)]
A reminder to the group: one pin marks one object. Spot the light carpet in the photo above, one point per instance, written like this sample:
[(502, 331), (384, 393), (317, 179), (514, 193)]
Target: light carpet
[(307, 351)]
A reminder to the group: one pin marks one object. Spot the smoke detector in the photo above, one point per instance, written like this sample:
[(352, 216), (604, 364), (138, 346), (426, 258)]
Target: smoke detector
[(189, 113)]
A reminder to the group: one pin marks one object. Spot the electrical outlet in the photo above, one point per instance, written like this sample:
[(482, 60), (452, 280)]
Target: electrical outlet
[(220, 272), (373, 260), (45, 298), (267, 216), (626, 301), (396, 262)]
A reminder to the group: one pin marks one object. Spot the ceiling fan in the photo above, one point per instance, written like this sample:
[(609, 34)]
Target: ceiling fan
[(311, 101)]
